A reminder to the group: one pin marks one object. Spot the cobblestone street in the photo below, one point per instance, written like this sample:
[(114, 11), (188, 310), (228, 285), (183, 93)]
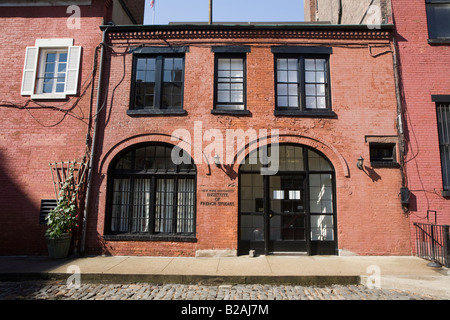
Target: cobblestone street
[(59, 290)]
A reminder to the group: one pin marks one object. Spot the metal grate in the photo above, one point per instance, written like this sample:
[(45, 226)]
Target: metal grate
[(46, 206)]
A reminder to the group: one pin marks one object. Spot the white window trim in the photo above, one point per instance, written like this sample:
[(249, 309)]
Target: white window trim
[(33, 65)]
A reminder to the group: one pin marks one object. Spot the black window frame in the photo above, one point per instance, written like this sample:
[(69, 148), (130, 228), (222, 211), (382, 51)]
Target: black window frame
[(159, 54), (383, 161), (230, 52), (300, 54), (132, 174), (443, 101), (431, 24)]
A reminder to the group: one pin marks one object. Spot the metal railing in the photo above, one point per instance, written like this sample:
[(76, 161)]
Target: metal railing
[(433, 243)]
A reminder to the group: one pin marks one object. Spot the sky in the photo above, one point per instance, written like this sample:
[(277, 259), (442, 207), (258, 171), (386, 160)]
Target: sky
[(224, 11)]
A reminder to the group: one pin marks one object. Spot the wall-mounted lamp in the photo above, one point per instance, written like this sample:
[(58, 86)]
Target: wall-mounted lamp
[(360, 163), (217, 160)]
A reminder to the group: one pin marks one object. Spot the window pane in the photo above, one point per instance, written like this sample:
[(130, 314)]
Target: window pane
[(310, 76), (230, 84), (48, 87), (310, 89), (223, 96), (282, 76), (60, 87), (224, 64), (149, 76), (438, 20), (293, 101), (315, 84), (164, 205), (282, 64), (320, 77), (120, 205), (63, 57), (141, 64), (186, 205), (282, 101), (236, 96), (62, 67), (317, 162), (50, 67), (322, 228), (282, 89), (311, 103), (141, 205), (293, 89), (321, 104), (51, 57), (292, 76)]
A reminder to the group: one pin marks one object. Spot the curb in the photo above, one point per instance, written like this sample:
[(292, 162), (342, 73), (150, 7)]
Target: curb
[(189, 279)]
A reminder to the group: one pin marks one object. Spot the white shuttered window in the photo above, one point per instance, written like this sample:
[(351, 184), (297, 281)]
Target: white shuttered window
[(51, 69)]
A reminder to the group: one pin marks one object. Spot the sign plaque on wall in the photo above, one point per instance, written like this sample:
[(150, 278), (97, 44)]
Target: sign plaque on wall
[(216, 198)]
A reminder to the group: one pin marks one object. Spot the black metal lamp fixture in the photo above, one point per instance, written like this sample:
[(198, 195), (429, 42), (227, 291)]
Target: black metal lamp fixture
[(217, 160), (360, 163)]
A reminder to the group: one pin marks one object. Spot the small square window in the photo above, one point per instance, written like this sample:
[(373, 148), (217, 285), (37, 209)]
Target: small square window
[(383, 155)]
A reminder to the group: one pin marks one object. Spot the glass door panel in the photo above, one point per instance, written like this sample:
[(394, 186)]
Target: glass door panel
[(287, 218)]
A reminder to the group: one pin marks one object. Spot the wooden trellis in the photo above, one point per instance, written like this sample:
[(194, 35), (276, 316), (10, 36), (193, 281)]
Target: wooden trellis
[(63, 170)]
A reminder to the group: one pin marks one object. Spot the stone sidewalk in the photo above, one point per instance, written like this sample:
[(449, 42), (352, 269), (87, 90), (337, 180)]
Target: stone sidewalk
[(410, 274)]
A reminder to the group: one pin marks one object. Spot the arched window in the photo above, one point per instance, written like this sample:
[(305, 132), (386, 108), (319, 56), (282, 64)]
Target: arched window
[(149, 194)]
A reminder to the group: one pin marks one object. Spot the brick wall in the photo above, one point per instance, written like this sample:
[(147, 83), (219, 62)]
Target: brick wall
[(31, 138), (424, 71), (369, 215)]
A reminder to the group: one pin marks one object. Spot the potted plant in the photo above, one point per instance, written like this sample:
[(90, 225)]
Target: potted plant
[(62, 220)]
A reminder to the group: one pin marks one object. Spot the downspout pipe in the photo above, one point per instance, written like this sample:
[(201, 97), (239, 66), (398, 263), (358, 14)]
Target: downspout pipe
[(400, 118), (93, 146)]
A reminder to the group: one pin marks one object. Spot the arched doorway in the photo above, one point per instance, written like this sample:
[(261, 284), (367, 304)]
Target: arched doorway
[(293, 209)]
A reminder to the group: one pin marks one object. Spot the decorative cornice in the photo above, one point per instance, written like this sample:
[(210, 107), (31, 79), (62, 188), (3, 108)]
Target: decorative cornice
[(177, 32)]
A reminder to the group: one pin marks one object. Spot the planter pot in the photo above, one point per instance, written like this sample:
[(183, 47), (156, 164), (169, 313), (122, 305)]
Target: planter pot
[(58, 248)]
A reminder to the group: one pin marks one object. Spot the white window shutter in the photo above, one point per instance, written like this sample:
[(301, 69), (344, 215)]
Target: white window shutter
[(73, 69), (29, 71)]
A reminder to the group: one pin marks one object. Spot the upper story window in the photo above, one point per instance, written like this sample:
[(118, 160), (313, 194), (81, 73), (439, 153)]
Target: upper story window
[(438, 14), (51, 69), (302, 76), (230, 79), (157, 81)]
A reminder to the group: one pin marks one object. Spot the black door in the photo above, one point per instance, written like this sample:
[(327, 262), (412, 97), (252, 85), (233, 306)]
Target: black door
[(287, 219), (272, 213)]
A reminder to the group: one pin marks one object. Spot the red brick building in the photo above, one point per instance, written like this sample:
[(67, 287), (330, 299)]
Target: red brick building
[(48, 55), (422, 33), (422, 39), (208, 139), (319, 96)]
